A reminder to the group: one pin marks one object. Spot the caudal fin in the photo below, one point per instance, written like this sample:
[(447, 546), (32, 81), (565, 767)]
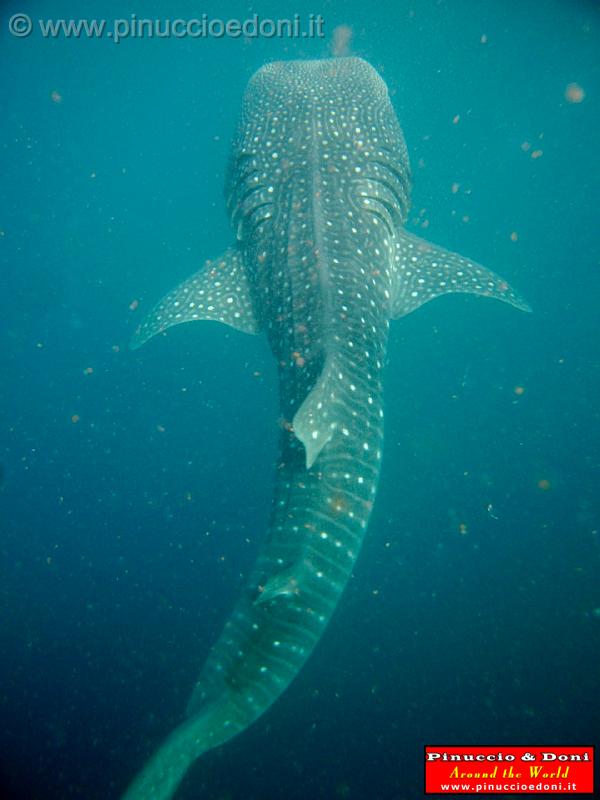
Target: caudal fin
[(164, 771)]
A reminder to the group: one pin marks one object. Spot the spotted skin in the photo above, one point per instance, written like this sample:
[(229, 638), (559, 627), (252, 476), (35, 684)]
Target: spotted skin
[(318, 192)]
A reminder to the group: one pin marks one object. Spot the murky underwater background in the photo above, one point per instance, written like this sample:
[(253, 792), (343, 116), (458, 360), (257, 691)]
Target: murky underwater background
[(136, 486)]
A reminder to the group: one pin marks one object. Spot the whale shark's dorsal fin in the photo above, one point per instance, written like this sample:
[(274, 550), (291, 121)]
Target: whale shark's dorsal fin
[(422, 271), (219, 291), (319, 415)]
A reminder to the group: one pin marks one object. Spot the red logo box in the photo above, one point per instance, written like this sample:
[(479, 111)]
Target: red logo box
[(509, 770)]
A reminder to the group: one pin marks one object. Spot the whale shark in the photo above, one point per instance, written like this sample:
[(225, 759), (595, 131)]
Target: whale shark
[(318, 192)]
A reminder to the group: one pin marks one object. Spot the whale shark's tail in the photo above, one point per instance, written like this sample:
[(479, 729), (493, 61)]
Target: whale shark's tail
[(164, 771)]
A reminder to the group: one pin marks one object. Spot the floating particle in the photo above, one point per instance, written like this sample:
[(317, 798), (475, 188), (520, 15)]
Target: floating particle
[(519, 390), (115, 348), (514, 236), (544, 484), (537, 154), (286, 425), (525, 146), (574, 93), (340, 41), (88, 371), (56, 97), (75, 419), (299, 359), (463, 529), (484, 38), (133, 305), (455, 187), (161, 428), (456, 119)]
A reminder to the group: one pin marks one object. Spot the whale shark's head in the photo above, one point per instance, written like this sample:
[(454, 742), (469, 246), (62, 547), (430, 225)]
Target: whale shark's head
[(288, 100), (331, 116), (320, 78)]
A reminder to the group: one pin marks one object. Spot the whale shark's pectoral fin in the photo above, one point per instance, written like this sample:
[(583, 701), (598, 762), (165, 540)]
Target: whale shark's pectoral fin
[(219, 291), (422, 271)]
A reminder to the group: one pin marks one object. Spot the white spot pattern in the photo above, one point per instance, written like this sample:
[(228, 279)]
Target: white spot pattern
[(423, 271), (219, 291)]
